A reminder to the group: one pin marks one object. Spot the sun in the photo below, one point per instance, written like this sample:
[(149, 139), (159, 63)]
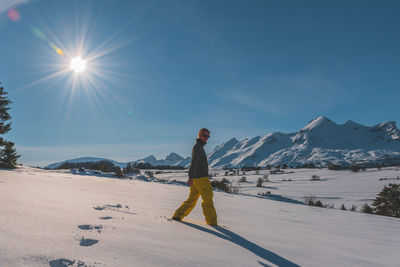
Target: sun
[(78, 64)]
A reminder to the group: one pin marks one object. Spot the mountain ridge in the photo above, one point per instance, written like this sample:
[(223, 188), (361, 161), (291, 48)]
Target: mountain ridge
[(172, 159), (321, 142)]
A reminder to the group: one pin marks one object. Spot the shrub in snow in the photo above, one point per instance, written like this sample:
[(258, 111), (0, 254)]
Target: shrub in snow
[(127, 169), (315, 178), (222, 185), (387, 202), (353, 208), (265, 177), (334, 167), (318, 203), (259, 182), (367, 209), (309, 200), (118, 172), (149, 174), (308, 166), (233, 188), (343, 207), (243, 179), (355, 168)]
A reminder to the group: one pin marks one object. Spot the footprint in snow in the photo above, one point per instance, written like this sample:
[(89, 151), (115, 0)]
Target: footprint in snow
[(66, 262), (107, 206), (88, 242), (105, 218), (91, 227), (117, 207)]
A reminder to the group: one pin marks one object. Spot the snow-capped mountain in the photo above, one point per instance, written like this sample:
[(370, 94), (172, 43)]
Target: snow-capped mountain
[(320, 142), (173, 157), (171, 160), (184, 162)]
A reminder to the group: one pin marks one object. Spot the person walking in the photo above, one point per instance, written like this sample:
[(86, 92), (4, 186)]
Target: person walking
[(199, 182)]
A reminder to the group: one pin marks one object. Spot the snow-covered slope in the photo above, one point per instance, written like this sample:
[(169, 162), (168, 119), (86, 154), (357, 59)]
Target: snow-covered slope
[(54, 218), (331, 187), (320, 142)]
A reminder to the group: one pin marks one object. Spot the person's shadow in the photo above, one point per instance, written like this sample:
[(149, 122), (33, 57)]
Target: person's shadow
[(250, 246)]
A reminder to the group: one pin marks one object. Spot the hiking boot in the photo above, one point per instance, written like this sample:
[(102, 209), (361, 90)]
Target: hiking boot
[(176, 219)]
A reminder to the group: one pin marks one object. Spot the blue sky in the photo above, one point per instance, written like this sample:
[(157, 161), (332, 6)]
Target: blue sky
[(164, 69)]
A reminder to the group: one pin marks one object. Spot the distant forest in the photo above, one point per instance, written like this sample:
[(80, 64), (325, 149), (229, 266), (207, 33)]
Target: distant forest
[(108, 166), (104, 166)]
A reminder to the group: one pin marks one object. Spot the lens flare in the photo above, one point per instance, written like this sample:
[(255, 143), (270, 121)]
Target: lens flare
[(60, 52), (56, 48), (39, 34), (78, 64), (42, 36), (13, 14)]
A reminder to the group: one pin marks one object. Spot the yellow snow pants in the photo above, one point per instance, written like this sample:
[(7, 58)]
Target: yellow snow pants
[(200, 187)]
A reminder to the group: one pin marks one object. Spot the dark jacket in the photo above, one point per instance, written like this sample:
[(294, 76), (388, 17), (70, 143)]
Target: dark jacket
[(199, 165)]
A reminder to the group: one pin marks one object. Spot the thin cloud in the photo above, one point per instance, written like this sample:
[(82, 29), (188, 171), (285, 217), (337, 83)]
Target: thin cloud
[(7, 4), (284, 95)]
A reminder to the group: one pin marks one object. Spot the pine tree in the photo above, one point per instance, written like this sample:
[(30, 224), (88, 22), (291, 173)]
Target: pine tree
[(8, 155), (367, 209), (129, 168), (387, 202), (118, 172)]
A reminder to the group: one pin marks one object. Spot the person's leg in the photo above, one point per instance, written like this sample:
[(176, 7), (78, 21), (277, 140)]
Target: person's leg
[(188, 205), (203, 185)]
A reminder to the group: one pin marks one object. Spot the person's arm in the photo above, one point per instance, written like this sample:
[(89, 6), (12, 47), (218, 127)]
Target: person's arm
[(193, 164)]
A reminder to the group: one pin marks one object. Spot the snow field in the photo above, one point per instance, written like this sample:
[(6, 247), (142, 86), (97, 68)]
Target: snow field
[(45, 216)]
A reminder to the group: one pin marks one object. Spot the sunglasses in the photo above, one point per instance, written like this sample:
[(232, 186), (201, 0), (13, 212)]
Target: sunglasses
[(206, 135)]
